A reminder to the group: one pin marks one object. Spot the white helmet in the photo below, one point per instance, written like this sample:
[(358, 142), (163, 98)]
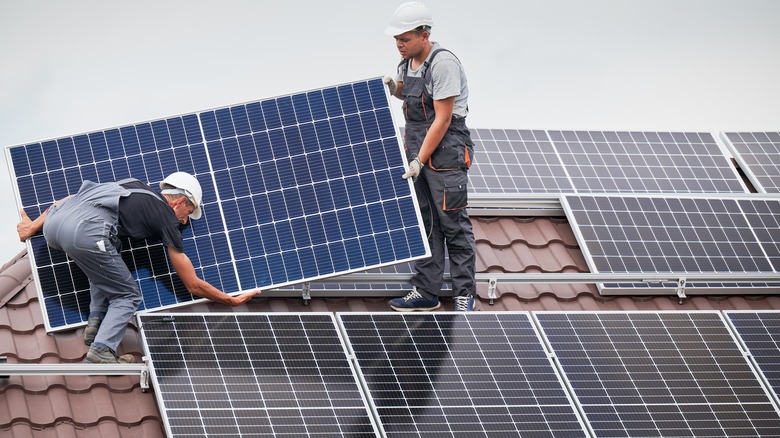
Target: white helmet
[(409, 16), (186, 184)]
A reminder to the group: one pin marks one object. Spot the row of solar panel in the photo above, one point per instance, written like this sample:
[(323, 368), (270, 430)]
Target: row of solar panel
[(510, 161), (483, 374)]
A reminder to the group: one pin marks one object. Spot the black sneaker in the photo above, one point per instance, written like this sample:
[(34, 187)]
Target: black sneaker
[(413, 301), (93, 324), (464, 304), (103, 354)]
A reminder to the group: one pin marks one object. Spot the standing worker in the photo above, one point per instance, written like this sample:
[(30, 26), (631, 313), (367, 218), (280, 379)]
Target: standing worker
[(432, 83), (87, 226)]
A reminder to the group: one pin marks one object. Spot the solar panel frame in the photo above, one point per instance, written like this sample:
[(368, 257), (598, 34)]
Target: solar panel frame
[(758, 155), (329, 160), (504, 384), (254, 373), (675, 378), (676, 235)]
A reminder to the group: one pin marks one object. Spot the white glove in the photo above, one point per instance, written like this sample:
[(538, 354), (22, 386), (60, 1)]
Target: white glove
[(391, 85), (414, 169)]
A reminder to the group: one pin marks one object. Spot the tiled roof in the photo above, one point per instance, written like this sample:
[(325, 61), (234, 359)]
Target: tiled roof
[(100, 406)]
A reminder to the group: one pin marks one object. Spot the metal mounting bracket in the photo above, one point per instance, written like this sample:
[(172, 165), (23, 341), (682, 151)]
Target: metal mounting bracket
[(306, 293), (492, 285), (681, 291)]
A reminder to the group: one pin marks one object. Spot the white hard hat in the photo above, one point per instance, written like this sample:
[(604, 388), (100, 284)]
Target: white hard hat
[(409, 16), (184, 183)]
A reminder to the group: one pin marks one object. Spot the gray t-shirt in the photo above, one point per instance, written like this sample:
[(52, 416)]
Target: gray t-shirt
[(449, 79)]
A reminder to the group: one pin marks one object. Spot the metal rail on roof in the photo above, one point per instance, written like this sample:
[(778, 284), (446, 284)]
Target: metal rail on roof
[(77, 369)]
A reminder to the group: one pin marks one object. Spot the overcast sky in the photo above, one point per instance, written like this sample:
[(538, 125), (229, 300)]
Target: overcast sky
[(653, 65)]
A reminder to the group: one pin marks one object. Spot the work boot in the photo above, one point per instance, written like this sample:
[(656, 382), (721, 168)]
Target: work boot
[(413, 301), (464, 303), (93, 324), (99, 353)]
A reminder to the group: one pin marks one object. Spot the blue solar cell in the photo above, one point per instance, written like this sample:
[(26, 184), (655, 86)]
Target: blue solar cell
[(225, 123), (271, 114), (51, 155)]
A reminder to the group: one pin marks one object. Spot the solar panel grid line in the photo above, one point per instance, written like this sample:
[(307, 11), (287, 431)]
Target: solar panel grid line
[(296, 188), (428, 374), (250, 373), (615, 361)]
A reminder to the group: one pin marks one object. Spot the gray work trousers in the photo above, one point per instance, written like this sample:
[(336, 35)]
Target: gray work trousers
[(442, 198), (87, 233)]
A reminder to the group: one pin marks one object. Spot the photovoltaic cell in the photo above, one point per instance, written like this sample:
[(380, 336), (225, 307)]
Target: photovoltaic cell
[(453, 374), (758, 155), (664, 234), (253, 375), (295, 188), (760, 333), (659, 374)]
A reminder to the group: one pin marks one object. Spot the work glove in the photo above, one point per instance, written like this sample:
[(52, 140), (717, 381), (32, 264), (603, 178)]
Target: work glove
[(391, 85), (415, 166)]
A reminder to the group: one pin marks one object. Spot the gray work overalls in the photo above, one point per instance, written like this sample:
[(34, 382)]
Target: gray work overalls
[(85, 227), (441, 191)]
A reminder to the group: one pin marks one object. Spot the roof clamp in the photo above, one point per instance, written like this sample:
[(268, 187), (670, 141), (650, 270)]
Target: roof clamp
[(492, 284), (145, 378), (306, 293), (681, 291)]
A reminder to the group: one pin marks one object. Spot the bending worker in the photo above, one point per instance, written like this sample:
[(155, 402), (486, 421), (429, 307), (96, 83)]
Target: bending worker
[(431, 82), (87, 226)]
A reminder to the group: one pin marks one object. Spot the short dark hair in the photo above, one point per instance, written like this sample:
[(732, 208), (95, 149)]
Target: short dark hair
[(423, 28)]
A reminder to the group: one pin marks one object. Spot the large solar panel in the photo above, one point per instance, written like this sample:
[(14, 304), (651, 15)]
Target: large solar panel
[(759, 331), (659, 374), (451, 374), (678, 235), (645, 162), (296, 188), (509, 161), (758, 155), (252, 374)]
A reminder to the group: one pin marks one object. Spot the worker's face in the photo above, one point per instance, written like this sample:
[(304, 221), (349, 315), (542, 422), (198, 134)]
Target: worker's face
[(183, 209), (411, 44)]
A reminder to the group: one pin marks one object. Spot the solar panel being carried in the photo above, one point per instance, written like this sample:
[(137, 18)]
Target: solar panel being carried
[(678, 235), (252, 374), (758, 155), (296, 188), (479, 374), (659, 374)]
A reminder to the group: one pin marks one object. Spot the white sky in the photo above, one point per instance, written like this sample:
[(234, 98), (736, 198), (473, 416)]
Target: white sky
[(654, 65)]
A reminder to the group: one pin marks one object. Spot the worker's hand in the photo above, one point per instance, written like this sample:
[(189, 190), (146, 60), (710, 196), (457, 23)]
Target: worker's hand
[(414, 170), (25, 227), (391, 85), (244, 297)]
